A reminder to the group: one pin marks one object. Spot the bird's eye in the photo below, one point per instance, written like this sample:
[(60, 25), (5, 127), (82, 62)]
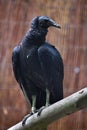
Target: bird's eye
[(42, 23), (46, 20)]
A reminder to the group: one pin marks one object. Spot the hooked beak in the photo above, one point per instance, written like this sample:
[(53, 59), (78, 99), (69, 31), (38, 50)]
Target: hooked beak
[(54, 24)]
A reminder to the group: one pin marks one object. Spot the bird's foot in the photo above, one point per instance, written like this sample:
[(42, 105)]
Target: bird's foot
[(33, 111), (26, 117), (41, 109)]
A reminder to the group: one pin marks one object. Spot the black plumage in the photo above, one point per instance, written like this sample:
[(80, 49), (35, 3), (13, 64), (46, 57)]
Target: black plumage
[(38, 66)]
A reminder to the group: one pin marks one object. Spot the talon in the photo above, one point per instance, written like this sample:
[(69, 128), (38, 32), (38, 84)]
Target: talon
[(40, 110), (25, 118)]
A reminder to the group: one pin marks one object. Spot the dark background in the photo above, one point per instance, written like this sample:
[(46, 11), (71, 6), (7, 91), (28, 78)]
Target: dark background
[(71, 41)]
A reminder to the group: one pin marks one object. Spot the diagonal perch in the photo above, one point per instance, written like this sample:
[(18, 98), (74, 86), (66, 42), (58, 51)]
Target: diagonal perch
[(68, 105)]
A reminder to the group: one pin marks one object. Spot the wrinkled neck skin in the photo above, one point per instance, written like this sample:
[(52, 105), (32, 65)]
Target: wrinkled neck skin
[(36, 35)]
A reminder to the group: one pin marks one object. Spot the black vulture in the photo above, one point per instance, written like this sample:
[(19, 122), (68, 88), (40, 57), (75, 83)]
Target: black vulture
[(38, 66)]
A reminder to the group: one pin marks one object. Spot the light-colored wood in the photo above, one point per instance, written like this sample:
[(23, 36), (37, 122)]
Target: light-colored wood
[(73, 103)]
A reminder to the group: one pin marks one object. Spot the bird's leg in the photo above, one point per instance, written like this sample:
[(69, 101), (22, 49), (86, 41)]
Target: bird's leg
[(33, 104), (47, 102), (47, 97), (33, 110)]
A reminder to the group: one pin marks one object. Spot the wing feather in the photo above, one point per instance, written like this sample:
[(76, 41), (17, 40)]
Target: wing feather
[(52, 67), (15, 63)]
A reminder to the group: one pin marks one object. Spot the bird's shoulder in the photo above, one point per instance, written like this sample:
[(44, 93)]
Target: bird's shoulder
[(48, 49), (48, 53), (16, 49), (15, 55)]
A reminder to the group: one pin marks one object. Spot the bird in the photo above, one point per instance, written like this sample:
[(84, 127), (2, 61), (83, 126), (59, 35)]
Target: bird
[(38, 66)]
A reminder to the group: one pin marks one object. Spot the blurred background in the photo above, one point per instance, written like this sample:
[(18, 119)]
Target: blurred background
[(71, 41)]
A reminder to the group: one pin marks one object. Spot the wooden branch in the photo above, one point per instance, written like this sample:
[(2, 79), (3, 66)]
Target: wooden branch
[(68, 105)]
